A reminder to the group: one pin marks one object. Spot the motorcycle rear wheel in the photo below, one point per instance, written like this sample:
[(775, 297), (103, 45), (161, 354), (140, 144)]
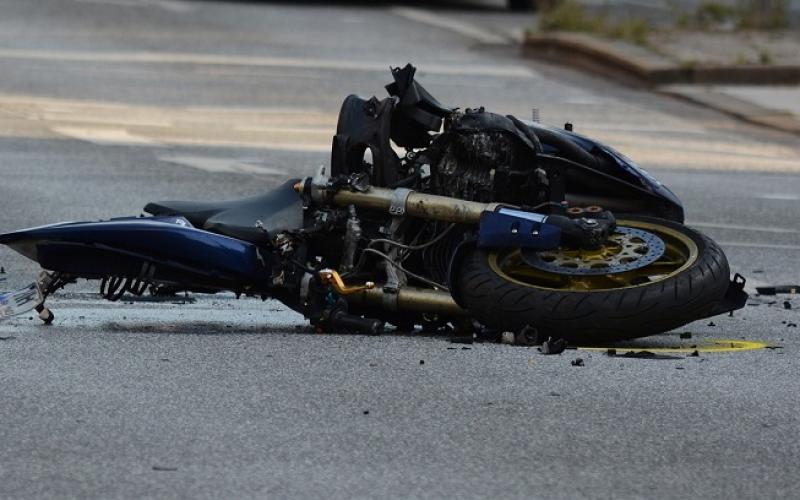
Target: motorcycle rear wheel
[(505, 293)]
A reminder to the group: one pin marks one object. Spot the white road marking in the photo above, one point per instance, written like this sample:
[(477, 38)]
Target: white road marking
[(464, 29), (740, 227), (170, 5), (501, 71), (780, 197), (229, 165), (105, 136)]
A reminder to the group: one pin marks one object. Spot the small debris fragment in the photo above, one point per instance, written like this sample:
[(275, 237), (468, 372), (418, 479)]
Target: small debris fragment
[(2, 270), (686, 335), (164, 469), (577, 362), (553, 346), (554, 394), (757, 271), (164, 359), (466, 348), (422, 361), (711, 323), (366, 412), (646, 355), (528, 336), (10, 337), (694, 354), (787, 304), (791, 325), (679, 368)]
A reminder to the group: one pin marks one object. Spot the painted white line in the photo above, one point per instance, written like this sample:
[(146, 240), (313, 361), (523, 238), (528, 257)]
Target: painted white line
[(779, 197), (464, 29), (502, 71), (105, 136), (771, 246), (739, 227), (228, 165), (170, 5)]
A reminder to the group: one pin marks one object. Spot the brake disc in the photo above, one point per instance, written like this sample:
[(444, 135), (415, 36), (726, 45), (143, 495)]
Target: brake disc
[(627, 249)]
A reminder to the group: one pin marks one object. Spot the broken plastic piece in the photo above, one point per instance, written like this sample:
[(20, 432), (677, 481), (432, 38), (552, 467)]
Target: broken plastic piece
[(553, 346)]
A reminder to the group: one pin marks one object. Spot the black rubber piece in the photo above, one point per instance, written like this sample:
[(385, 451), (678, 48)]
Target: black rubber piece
[(598, 316), (340, 320)]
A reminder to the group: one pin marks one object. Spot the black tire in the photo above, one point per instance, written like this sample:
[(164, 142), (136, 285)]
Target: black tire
[(597, 315)]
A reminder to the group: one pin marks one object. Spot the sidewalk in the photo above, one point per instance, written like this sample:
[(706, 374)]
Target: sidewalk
[(750, 74)]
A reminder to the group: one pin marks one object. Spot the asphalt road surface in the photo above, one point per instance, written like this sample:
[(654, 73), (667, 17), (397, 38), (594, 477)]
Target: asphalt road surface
[(108, 104)]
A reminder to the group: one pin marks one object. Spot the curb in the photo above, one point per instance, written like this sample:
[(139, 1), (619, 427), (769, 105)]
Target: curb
[(638, 66), (733, 106), (629, 62)]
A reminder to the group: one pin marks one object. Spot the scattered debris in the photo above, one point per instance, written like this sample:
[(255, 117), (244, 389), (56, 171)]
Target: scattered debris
[(164, 469), (646, 355), (787, 304), (686, 335), (791, 325), (507, 338), (774, 290), (553, 346), (577, 362), (528, 336), (694, 354)]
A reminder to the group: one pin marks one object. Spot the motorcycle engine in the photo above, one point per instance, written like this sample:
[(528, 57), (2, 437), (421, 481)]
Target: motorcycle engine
[(485, 164)]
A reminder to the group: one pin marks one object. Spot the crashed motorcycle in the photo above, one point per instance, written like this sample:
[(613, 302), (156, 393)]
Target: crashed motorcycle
[(427, 215)]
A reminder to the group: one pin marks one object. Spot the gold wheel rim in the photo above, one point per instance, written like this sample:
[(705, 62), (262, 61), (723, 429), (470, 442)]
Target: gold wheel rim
[(680, 253)]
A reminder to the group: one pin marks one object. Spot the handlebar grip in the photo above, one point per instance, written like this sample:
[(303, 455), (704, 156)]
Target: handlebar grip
[(340, 320)]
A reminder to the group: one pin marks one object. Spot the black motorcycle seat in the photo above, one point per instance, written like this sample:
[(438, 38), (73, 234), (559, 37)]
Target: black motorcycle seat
[(255, 219)]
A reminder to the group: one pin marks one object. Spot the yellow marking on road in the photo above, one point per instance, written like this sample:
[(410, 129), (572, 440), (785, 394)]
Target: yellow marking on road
[(141, 125), (457, 69), (710, 346)]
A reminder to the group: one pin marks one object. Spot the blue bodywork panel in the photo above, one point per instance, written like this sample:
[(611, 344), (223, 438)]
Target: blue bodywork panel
[(508, 228), (174, 251)]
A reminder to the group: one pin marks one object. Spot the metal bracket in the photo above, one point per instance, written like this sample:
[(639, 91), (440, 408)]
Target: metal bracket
[(331, 277), (397, 206)]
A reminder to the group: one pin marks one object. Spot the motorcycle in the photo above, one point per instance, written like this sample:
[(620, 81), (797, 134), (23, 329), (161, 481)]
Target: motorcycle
[(427, 215)]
